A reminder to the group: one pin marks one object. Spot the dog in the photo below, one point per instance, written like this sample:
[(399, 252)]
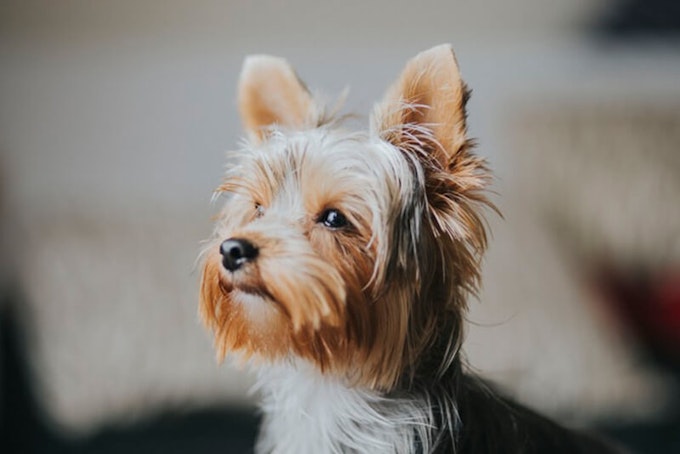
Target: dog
[(341, 265)]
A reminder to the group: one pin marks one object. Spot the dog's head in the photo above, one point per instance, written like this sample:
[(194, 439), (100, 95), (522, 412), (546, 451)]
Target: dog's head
[(353, 251)]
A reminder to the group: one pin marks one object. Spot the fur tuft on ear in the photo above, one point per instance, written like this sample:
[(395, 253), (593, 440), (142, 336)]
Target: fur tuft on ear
[(270, 93), (423, 115), (428, 99)]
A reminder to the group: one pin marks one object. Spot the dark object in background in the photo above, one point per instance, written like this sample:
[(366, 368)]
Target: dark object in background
[(639, 18), (22, 427), (648, 304), (25, 429), (216, 431)]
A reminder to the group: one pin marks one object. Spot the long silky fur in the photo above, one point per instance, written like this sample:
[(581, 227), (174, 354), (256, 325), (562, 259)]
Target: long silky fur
[(356, 333)]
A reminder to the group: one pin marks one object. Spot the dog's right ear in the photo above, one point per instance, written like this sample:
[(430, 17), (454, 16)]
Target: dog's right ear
[(270, 93)]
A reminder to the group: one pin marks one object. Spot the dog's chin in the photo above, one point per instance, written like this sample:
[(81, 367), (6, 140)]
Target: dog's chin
[(257, 307)]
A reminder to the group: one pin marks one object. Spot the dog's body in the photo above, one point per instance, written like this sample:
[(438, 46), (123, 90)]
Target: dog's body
[(308, 413), (341, 267)]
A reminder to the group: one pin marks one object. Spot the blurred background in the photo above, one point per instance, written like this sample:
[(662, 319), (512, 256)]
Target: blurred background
[(114, 122)]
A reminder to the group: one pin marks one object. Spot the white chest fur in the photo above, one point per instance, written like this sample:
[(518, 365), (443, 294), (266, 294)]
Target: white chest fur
[(306, 412)]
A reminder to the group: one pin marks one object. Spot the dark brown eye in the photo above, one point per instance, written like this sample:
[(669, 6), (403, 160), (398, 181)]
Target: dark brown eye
[(333, 219)]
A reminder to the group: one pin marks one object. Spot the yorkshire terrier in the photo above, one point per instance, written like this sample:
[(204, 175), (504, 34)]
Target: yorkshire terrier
[(341, 265)]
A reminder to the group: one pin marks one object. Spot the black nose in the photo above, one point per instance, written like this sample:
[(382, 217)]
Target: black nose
[(237, 251)]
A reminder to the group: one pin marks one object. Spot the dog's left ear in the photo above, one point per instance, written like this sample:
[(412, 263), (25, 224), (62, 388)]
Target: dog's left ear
[(270, 93), (423, 115), (428, 99)]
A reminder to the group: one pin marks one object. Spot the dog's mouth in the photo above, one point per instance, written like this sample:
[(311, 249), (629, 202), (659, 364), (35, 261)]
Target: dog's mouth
[(246, 289), (245, 280)]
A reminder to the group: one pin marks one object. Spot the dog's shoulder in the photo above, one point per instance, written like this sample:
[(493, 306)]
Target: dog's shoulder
[(492, 423)]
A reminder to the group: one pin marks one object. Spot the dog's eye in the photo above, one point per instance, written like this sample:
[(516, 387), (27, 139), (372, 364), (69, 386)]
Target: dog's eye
[(259, 210), (333, 219)]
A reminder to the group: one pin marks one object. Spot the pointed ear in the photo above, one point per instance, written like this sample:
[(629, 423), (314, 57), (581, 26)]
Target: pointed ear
[(270, 93), (423, 115), (426, 102)]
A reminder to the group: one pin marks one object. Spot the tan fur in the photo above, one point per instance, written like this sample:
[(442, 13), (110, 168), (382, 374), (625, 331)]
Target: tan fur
[(271, 93), (376, 301), (429, 93)]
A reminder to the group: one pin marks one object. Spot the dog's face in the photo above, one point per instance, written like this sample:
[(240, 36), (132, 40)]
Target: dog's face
[(353, 251)]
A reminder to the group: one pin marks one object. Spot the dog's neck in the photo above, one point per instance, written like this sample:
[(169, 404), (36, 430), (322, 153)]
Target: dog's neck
[(308, 412)]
